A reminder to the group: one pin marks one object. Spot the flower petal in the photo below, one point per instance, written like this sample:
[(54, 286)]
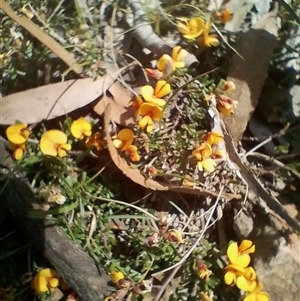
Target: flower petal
[(14, 133), (162, 88), (40, 284), (157, 102), (144, 121), (117, 143), (117, 276), (147, 92), (47, 147), (55, 136), (163, 62), (247, 247), (209, 164), (18, 153), (126, 135), (178, 54), (80, 128), (157, 113), (53, 282), (243, 284), (232, 252), (230, 278)]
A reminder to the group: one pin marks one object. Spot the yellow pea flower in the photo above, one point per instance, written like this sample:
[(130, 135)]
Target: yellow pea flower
[(154, 73), (257, 295), (81, 128), (132, 153), (17, 133), (239, 255), (207, 39), (174, 235), (123, 139), (202, 151), (202, 270), (225, 15), (119, 279), (45, 280), (247, 281), (117, 276), (95, 141), (150, 113), (232, 272), (136, 103), (205, 296), (226, 105), (18, 150), (207, 164), (154, 96), (168, 63), (191, 28), (213, 137), (54, 143)]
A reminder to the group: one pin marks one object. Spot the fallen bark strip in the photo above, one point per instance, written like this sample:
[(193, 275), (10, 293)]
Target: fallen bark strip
[(68, 258)]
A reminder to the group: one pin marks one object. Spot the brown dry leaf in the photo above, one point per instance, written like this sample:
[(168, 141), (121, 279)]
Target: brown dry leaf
[(120, 112), (132, 173), (50, 101), (44, 38)]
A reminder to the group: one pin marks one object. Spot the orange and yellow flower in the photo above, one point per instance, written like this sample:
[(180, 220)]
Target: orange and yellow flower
[(202, 270), (81, 128), (155, 96), (239, 255), (225, 15), (247, 281), (226, 105), (95, 141), (207, 39), (154, 73), (54, 143), (46, 280), (191, 28), (202, 154), (17, 136), (132, 153), (123, 139), (168, 63), (136, 103), (150, 113), (213, 137), (174, 236), (257, 295)]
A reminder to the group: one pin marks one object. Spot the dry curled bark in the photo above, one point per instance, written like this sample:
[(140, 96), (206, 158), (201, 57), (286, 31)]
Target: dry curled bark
[(68, 258)]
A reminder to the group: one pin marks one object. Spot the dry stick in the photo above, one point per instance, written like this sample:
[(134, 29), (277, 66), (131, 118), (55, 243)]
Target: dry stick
[(178, 265), (280, 133), (276, 162)]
